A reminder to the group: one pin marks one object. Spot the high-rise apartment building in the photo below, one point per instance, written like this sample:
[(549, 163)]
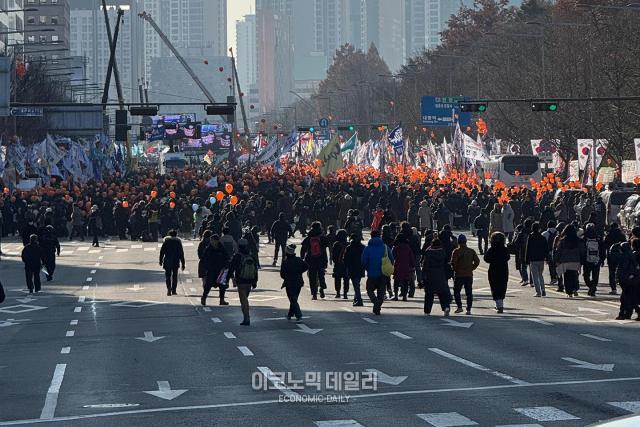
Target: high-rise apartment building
[(246, 55), (53, 16), (12, 19)]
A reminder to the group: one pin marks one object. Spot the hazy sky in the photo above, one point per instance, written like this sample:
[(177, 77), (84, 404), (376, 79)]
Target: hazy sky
[(236, 9)]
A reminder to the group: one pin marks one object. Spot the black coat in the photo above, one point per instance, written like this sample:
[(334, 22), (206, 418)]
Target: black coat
[(214, 260), (352, 262), (280, 230), (435, 270), (202, 247), (32, 257), (291, 272), (498, 260), (337, 256), (537, 248), (171, 253)]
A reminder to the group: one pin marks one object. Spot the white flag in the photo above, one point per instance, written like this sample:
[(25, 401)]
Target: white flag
[(584, 152)]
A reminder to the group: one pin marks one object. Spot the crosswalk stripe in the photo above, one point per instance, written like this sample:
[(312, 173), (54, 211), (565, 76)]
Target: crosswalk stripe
[(447, 419), (338, 423), (546, 413), (631, 406)]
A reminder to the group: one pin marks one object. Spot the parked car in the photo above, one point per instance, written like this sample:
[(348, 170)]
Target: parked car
[(626, 211), (614, 200)]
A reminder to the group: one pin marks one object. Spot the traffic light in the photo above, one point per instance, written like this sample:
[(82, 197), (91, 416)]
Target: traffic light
[(215, 110), (544, 106), (306, 129), (143, 111), (350, 128), (122, 125), (473, 107)]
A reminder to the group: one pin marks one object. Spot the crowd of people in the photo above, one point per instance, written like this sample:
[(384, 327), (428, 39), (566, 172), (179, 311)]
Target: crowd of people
[(411, 215)]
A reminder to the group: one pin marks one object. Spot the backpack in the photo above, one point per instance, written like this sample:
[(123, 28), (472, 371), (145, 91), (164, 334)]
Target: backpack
[(387, 266), (315, 246), (593, 251), (248, 269)]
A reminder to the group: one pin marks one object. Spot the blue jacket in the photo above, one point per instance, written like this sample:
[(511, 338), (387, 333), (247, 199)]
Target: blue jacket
[(371, 258)]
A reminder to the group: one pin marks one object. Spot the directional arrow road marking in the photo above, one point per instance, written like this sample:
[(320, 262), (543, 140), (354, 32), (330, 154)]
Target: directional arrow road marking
[(164, 391), (387, 379), (148, 337), (307, 330), (26, 300), (607, 367), (593, 310), (451, 322)]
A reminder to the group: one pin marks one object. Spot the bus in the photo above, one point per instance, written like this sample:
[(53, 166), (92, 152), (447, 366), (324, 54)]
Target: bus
[(512, 170), (168, 161)]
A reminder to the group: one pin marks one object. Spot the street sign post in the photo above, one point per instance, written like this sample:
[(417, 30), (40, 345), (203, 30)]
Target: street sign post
[(323, 123), (5, 76), (26, 111), (443, 111)]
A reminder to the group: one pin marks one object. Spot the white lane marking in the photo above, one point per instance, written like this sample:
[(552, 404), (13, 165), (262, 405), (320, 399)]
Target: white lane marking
[(546, 413), (81, 298), (606, 367), (595, 337), (164, 391), (121, 250), (245, 350), (186, 272), (73, 322), (553, 385), (540, 321), (85, 288), (369, 320), (216, 320), (149, 249), (593, 310), (338, 423), (551, 310), (136, 246), (77, 309), (101, 257), (189, 281), (400, 335), (65, 350), (83, 249), (277, 382), (93, 272), (229, 335), (609, 304), (206, 308), (477, 366), (447, 419), (387, 379), (94, 251), (97, 264), (193, 290), (187, 244), (631, 406), (89, 279), (70, 333), (51, 401), (347, 309)]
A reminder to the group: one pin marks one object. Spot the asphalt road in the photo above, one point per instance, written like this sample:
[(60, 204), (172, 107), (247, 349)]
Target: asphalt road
[(104, 345)]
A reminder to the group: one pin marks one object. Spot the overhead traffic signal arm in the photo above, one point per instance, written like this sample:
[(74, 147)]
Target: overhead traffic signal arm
[(544, 106), (473, 107)]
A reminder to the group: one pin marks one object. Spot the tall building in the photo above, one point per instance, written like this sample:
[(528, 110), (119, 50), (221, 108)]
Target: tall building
[(53, 16), (11, 20), (89, 41), (246, 55), (274, 35)]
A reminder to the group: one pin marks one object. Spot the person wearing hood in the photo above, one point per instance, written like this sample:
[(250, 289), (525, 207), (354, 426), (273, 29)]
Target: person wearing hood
[(228, 242), (215, 261), (340, 277), (171, 257), (50, 247), (464, 261), (436, 272), (32, 259), (425, 216), (507, 221), (371, 260), (628, 277), (314, 252), (291, 271), (497, 256), (353, 266), (279, 233), (404, 265), (244, 273), (549, 236)]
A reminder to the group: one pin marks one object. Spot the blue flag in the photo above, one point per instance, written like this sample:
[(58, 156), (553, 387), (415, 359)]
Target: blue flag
[(397, 140)]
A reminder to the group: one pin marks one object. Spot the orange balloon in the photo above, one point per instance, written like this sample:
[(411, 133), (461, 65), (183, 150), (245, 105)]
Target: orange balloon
[(234, 200), (219, 196), (636, 180), (228, 188), (154, 194)]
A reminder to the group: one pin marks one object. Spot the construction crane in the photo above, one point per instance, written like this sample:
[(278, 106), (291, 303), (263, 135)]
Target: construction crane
[(165, 39)]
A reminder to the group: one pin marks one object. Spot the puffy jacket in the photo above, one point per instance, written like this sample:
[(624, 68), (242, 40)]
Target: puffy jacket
[(32, 257), (536, 249), (463, 261), (280, 230), (435, 270), (291, 271), (171, 253), (404, 261), (371, 258), (565, 253), (352, 262)]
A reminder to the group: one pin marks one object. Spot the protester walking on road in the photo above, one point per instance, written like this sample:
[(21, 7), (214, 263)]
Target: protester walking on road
[(481, 224), (497, 256), (244, 273), (279, 232), (215, 261), (340, 277), (32, 259), (355, 271), (291, 271), (535, 253), (50, 248), (436, 272), (568, 254), (94, 225), (314, 253), (614, 236), (593, 259), (171, 257), (404, 264), (371, 260), (464, 261)]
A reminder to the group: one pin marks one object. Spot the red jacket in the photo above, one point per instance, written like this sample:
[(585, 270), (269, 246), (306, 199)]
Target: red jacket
[(377, 219), (404, 261)]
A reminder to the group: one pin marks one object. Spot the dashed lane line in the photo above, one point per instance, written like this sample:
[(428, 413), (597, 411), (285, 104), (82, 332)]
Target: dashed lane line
[(369, 320), (230, 335), (70, 333), (51, 401), (216, 320), (65, 350), (245, 350), (551, 310), (400, 335), (595, 337), (77, 310), (73, 323)]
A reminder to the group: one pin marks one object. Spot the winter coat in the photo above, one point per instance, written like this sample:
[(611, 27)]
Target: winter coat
[(49, 245), (498, 260), (627, 270), (425, 216), (280, 230), (235, 267), (537, 248), (337, 257), (291, 272), (32, 257), (229, 244), (171, 253), (463, 261), (507, 219), (495, 221), (435, 270), (202, 247), (352, 262), (371, 258), (305, 250), (481, 223), (404, 261), (214, 260)]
